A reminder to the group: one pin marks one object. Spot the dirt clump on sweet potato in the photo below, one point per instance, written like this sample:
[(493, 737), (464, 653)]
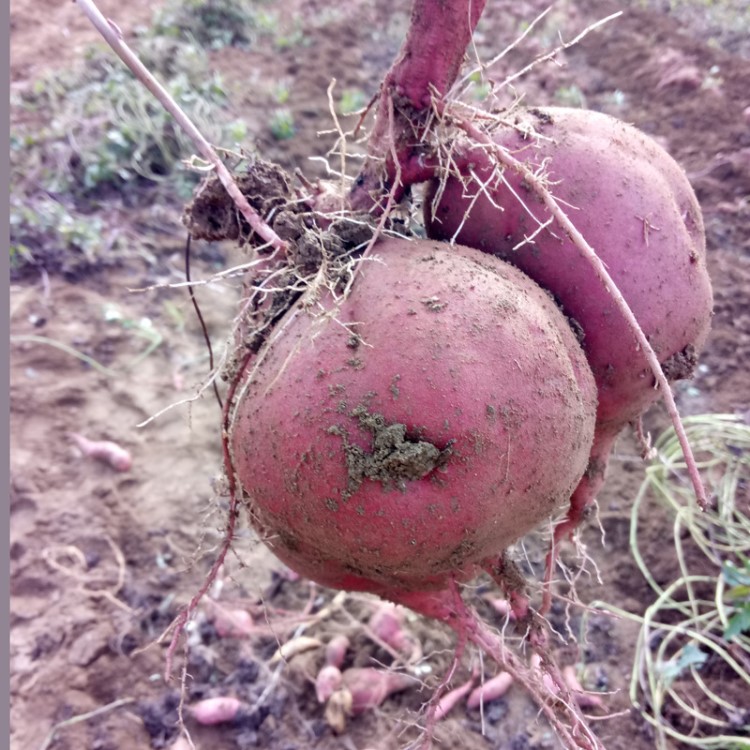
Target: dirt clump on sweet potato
[(395, 457)]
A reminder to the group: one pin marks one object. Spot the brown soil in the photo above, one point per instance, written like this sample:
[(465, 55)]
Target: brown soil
[(102, 561)]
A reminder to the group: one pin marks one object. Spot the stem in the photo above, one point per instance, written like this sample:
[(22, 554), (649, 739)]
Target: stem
[(433, 51), (113, 36), (436, 697), (427, 66), (582, 498), (199, 314), (537, 185)]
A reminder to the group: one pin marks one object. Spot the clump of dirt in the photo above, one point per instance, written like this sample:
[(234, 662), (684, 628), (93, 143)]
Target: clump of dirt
[(310, 234), (681, 366), (313, 240), (212, 214), (395, 458)]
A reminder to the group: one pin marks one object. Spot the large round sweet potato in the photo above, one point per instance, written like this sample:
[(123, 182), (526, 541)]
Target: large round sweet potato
[(633, 204), (439, 413)]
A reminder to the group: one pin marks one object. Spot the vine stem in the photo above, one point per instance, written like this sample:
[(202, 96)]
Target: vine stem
[(537, 185), (114, 38), (429, 60)]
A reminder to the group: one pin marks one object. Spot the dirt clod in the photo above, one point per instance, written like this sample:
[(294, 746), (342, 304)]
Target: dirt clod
[(213, 216), (395, 458), (681, 366)]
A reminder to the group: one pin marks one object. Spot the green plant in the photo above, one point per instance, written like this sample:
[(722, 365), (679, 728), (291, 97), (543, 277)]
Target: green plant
[(101, 136), (480, 87), (281, 92), (282, 125), (43, 231), (570, 96), (294, 36), (143, 328), (108, 131), (737, 593), (352, 100), (212, 24), (724, 24)]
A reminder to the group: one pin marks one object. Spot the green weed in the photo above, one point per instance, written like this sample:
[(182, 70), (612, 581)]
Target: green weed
[(214, 24), (352, 100), (107, 131), (697, 625), (282, 125), (44, 232), (95, 135), (570, 96)]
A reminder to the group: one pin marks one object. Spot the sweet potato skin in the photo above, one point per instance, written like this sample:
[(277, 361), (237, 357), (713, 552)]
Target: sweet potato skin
[(438, 414), (635, 207)]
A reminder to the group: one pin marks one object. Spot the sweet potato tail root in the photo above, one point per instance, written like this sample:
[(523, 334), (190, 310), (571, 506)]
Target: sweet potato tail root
[(552, 695), (581, 502)]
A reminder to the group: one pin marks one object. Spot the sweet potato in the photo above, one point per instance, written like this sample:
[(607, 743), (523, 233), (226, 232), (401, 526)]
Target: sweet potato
[(327, 682), (105, 451), (400, 438), (369, 687), (634, 206), (491, 690)]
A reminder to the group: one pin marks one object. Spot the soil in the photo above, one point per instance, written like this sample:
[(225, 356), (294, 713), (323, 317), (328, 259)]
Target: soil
[(102, 561)]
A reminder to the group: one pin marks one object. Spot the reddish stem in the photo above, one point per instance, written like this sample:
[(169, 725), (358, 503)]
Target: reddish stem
[(581, 500), (427, 66), (436, 710), (434, 48)]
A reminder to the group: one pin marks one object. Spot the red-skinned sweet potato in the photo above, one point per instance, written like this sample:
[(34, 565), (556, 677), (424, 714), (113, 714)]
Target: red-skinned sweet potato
[(443, 410), (634, 205)]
